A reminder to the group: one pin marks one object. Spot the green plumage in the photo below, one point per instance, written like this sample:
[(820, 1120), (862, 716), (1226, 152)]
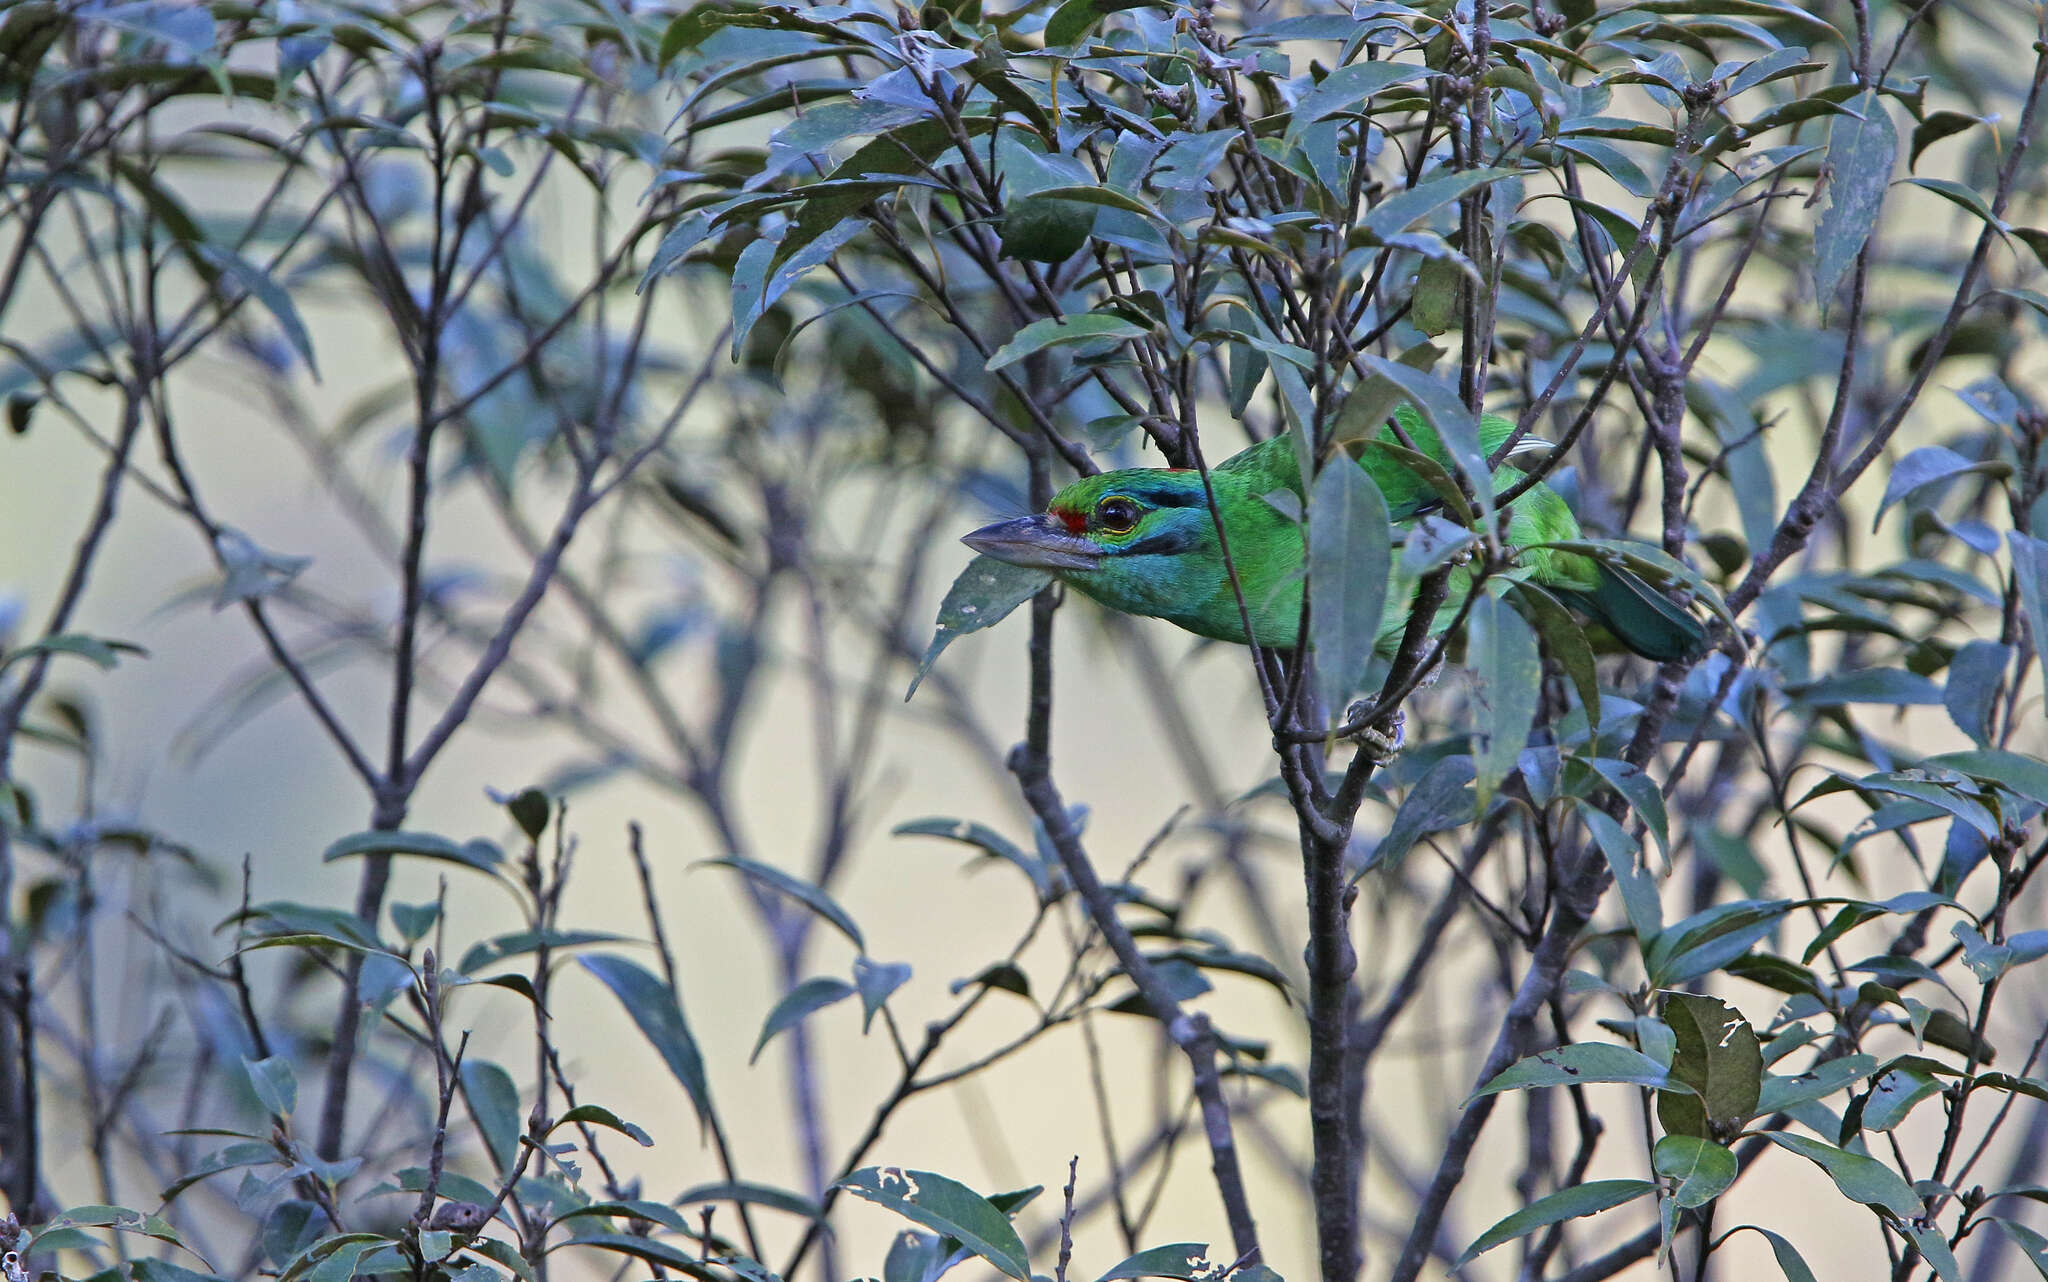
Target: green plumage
[(1141, 540)]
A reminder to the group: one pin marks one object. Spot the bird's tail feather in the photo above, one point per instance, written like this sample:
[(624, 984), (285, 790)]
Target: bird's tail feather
[(1640, 617)]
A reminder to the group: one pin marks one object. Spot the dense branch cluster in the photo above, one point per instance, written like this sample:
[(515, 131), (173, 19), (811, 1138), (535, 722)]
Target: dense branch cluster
[(1759, 285)]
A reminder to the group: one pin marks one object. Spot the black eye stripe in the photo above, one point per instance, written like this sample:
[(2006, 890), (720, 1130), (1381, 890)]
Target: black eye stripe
[(1170, 496), (1166, 542)]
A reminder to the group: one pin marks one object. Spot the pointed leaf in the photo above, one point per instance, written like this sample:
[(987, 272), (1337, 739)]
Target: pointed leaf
[(658, 1012), (1861, 1179), (948, 1208), (1183, 1260), (1580, 1064), (1055, 331), (1570, 1203), (1501, 650), (984, 594), (805, 999), (1862, 148), (796, 888), (1349, 560), (1704, 1170)]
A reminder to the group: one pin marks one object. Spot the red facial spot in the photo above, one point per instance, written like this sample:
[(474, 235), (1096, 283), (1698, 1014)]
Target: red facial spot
[(1074, 521)]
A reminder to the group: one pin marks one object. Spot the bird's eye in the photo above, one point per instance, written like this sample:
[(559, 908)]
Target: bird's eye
[(1116, 515)]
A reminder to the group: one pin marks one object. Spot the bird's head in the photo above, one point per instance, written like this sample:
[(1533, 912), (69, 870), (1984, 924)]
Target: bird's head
[(1131, 538)]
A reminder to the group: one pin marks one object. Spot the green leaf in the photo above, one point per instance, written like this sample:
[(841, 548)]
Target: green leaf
[(274, 1084), (753, 1194), (1350, 559), (503, 1252), (689, 231), (495, 1100), (518, 943), (896, 155), (1439, 800), (1570, 1203), (1782, 1092), (1957, 194), (1930, 465), (1454, 423), (1890, 687), (1402, 210), (246, 277), (1045, 230), (479, 855), (1719, 1058), (1372, 399), (151, 1270), (1184, 1260), (1055, 331), (1563, 640), (796, 888), (2030, 567), (1346, 87), (1861, 1179), (805, 999), (638, 1209), (1640, 896), (1501, 649), (946, 1207), (1893, 1094), (1937, 126), (875, 981), (1975, 675), (1106, 196), (249, 572), (1704, 1170), (984, 594), (1580, 1064), (1862, 148), (530, 809), (987, 839), (2022, 775), (649, 1249), (1789, 1262), (594, 1115), (98, 650), (1076, 18), (1435, 309), (2033, 1246), (1933, 1246), (658, 1012)]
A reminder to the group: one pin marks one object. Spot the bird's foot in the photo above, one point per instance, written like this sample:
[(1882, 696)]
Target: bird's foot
[(1380, 745)]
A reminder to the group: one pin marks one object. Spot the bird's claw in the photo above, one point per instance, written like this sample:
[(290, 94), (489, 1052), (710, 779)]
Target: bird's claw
[(1380, 745)]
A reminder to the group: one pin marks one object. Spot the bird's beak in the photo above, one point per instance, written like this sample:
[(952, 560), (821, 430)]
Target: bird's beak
[(1039, 542)]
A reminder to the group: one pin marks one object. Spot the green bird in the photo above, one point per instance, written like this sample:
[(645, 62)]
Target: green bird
[(1141, 540)]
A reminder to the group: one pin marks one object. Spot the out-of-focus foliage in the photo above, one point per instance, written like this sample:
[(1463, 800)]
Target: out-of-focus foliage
[(1766, 280)]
